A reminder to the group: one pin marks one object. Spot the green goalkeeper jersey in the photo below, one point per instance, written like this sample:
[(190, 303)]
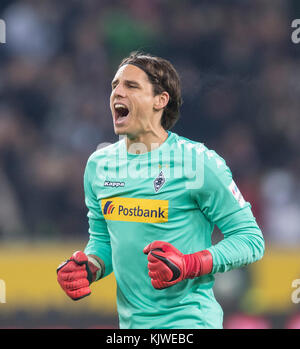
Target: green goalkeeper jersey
[(175, 193)]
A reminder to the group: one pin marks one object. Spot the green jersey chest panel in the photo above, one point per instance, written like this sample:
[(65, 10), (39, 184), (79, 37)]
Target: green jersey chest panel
[(147, 198)]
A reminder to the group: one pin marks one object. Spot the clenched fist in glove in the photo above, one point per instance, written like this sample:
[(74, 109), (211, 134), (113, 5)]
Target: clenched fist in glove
[(77, 273), (167, 265)]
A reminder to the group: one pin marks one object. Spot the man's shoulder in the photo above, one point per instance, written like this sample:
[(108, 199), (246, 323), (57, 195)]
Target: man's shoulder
[(210, 158), (191, 147)]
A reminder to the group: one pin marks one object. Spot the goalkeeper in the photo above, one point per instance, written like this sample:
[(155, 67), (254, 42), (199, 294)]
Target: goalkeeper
[(153, 200)]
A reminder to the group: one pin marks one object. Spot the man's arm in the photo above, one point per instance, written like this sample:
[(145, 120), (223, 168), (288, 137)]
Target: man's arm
[(77, 273), (99, 239), (224, 206)]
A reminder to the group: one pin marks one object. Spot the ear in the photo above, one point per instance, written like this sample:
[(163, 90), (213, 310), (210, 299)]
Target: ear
[(161, 100)]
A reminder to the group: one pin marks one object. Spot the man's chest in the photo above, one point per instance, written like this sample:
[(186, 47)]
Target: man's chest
[(143, 194)]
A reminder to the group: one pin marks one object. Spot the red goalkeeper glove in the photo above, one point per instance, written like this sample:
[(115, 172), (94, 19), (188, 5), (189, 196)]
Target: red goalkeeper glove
[(168, 266), (77, 273)]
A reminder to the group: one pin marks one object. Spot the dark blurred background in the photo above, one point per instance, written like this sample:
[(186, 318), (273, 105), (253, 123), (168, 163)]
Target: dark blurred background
[(240, 77)]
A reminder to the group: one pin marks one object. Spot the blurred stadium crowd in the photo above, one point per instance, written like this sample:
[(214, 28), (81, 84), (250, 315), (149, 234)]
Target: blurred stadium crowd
[(240, 82)]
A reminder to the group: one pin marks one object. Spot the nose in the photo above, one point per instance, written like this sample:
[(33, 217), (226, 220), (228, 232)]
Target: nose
[(119, 91)]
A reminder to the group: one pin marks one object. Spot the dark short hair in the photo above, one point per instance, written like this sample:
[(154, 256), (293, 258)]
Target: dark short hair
[(163, 77)]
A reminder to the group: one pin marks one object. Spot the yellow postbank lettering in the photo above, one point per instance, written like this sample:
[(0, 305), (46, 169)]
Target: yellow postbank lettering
[(135, 210)]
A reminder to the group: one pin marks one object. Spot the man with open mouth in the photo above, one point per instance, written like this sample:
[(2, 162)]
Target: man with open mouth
[(136, 108), (154, 232)]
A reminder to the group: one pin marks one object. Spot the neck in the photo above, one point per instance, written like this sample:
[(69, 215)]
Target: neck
[(145, 142)]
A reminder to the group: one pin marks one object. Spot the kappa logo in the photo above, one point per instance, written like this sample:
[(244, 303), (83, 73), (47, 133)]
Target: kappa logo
[(114, 184), (108, 208), (159, 181)]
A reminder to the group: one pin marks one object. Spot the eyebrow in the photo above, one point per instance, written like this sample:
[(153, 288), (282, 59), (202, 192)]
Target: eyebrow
[(130, 82)]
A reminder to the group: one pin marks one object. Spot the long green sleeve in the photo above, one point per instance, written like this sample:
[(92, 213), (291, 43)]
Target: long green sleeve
[(99, 240), (224, 206)]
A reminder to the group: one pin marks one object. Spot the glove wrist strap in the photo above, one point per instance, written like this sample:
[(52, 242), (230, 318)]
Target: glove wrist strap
[(95, 268), (197, 264)]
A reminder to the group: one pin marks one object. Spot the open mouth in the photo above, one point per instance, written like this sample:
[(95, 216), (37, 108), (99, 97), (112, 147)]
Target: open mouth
[(121, 112)]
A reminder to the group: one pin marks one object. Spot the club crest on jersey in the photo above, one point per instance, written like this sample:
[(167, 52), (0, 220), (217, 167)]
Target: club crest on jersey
[(159, 181)]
